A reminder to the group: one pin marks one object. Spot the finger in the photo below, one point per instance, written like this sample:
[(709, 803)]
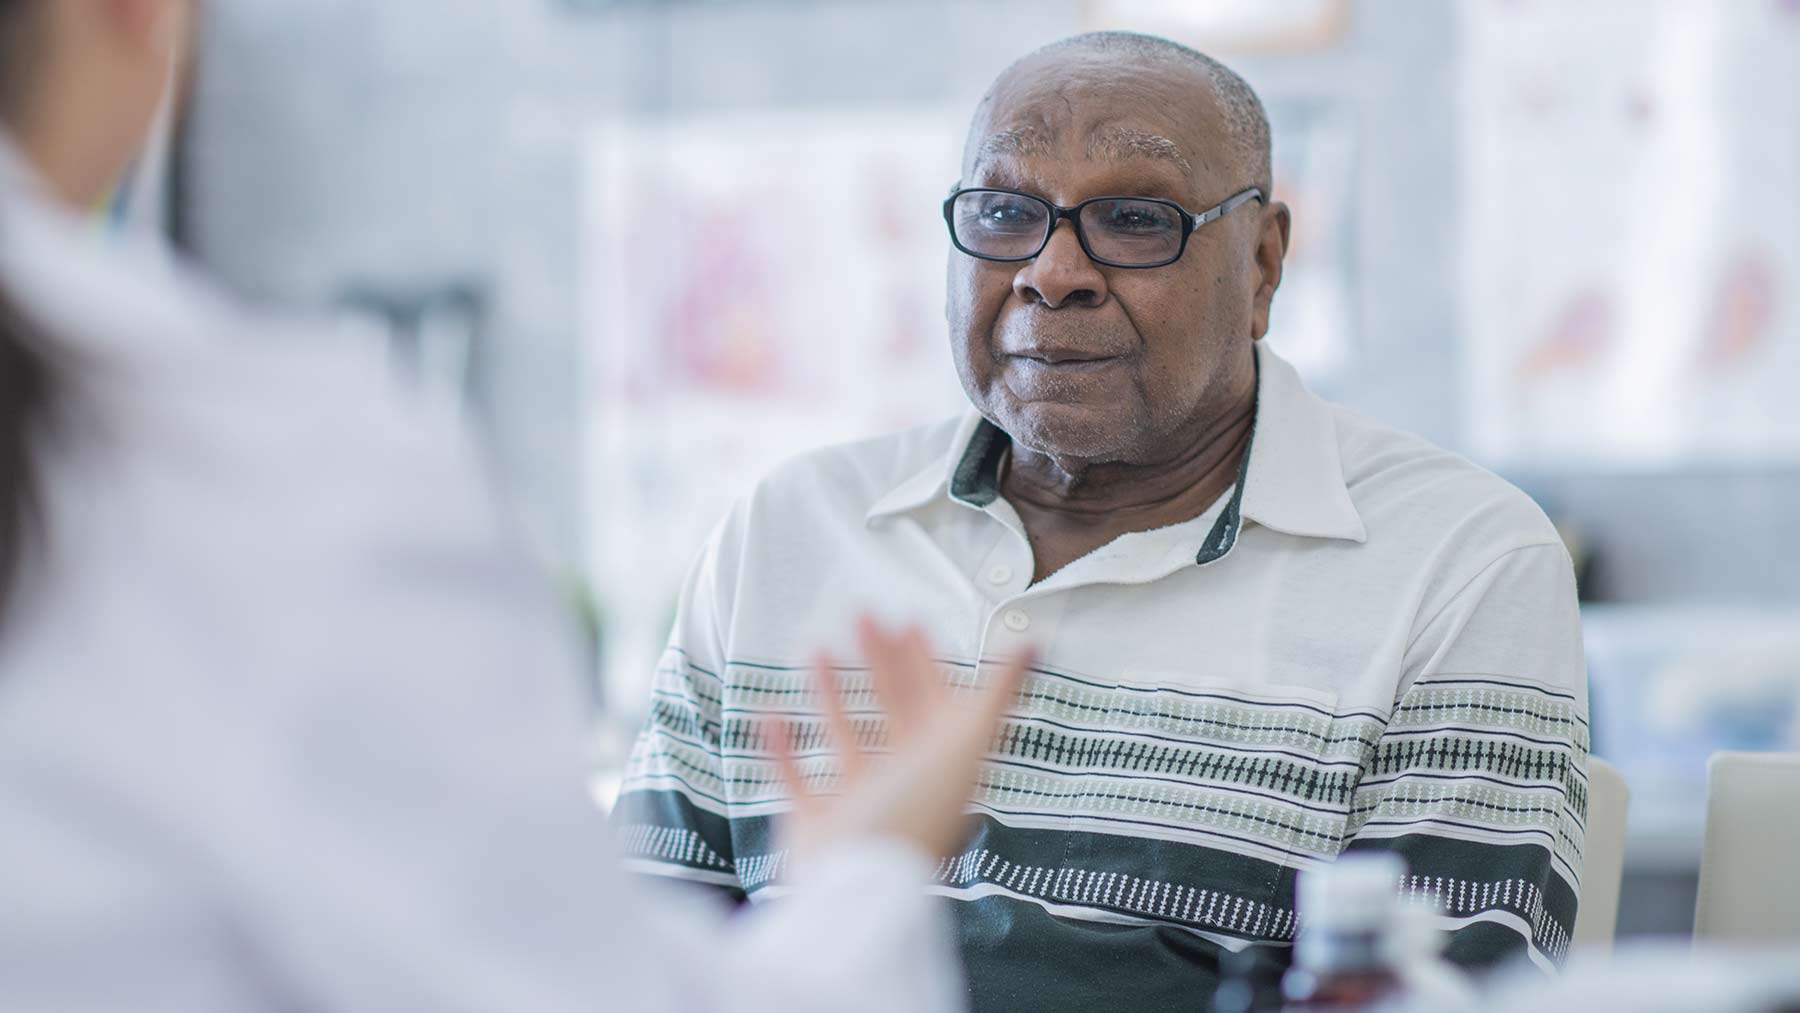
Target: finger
[(893, 684), (780, 736), (869, 642), (924, 695), (915, 648), (801, 825), (850, 756), (935, 695)]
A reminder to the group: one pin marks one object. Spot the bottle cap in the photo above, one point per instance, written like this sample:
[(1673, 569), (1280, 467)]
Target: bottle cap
[(1357, 893)]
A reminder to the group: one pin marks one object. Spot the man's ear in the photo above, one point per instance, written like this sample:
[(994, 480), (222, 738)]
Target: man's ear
[(1271, 248)]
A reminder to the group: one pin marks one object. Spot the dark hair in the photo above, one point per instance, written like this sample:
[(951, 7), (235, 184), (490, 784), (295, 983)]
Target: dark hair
[(17, 54), (25, 375), (25, 385)]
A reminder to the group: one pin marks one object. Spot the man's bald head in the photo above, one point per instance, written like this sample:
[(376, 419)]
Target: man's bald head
[(1225, 98)]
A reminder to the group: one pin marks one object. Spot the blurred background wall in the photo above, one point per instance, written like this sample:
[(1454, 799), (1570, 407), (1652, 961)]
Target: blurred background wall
[(561, 212)]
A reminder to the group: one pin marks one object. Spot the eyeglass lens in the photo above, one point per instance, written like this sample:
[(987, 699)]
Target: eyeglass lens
[(1122, 230)]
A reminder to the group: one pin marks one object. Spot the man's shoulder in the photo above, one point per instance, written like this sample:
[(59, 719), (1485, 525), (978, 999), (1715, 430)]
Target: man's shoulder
[(1403, 484)]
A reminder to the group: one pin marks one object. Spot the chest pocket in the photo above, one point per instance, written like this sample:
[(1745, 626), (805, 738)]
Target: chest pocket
[(1199, 801)]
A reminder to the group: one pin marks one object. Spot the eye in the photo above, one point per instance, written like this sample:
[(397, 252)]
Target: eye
[(1003, 212), (1138, 217)]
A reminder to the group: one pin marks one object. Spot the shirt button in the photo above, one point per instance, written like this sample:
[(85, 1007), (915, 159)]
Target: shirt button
[(1016, 620), (999, 574)]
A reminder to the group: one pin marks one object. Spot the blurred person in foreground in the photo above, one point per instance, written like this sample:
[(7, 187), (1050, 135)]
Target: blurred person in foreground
[(285, 723), (1272, 630)]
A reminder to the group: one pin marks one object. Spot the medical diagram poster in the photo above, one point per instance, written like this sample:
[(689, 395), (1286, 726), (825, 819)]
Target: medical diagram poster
[(755, 285), (1631, 233)]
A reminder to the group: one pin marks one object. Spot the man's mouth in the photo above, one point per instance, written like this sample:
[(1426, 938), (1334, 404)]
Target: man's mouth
[(1064, 362)]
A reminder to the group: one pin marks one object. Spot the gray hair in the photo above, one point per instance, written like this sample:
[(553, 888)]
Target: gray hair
[(1246, 122)]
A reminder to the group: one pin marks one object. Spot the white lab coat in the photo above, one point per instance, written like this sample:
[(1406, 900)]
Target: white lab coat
[(285, 722)]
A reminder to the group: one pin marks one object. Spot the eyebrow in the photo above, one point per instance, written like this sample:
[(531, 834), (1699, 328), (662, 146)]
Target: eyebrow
[(1125, 143), (1022, 142), (1117, 144)]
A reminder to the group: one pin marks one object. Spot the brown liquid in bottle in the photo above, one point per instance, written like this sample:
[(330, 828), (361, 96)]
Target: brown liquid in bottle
[(1344, 957)]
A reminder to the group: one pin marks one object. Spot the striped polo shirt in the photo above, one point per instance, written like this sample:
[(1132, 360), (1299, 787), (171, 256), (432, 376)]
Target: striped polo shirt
[(1368, 643)]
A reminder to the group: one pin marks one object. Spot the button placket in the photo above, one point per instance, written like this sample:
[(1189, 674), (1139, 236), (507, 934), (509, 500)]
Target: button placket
[(1035, 616), (1005, 570)]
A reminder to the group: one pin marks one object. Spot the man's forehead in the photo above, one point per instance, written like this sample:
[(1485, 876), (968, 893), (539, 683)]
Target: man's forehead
[(1105, 110), (1111, 141)]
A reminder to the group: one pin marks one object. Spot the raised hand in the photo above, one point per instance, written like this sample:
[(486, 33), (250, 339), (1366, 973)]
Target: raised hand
[(936, 736)]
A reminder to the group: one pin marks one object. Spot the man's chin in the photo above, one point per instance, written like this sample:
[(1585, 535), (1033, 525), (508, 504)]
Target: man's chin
[(1069, 431)]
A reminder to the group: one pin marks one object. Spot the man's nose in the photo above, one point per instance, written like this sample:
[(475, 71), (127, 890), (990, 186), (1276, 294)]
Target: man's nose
[(1062, 275)]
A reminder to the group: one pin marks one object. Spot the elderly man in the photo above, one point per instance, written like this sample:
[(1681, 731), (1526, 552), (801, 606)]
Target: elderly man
[(1270, 630)]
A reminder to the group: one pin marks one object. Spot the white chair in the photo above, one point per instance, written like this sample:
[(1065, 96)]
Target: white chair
[(1750, 868), (1602, 858)]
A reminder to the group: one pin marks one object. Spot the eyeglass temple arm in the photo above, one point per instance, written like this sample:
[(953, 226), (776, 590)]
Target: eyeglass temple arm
[(1228, 205)]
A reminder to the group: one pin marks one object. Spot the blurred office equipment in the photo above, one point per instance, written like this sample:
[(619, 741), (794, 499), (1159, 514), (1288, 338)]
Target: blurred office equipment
[(1603, 857), (1749, 887), (1669, 686)]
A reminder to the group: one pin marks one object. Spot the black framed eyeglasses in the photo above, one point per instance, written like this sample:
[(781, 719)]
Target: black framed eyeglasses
[(1010, 225)]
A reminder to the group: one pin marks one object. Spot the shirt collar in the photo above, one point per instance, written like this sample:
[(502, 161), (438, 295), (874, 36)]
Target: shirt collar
[(1291, 479), (936, 479), (1296, 477)]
